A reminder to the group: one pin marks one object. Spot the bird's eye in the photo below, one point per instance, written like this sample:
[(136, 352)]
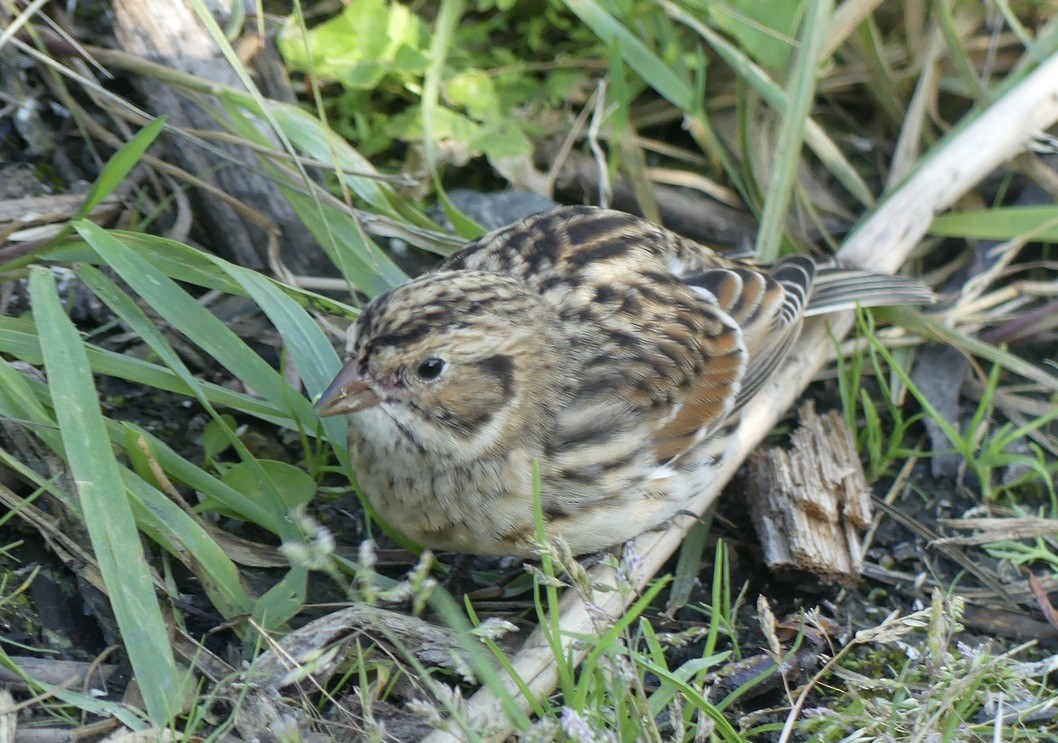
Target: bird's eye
[(430, 369)]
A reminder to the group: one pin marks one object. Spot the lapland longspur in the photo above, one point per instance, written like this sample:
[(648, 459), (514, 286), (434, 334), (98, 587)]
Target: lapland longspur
[(611, 351)]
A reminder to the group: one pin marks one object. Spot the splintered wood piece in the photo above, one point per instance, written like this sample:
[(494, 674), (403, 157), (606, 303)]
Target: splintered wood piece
[(809, 504)]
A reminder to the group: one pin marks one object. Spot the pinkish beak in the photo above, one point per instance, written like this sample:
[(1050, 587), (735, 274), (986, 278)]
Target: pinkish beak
[(348, 393)]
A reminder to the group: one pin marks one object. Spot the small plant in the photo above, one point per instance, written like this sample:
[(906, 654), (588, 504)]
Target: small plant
[(881, 437)]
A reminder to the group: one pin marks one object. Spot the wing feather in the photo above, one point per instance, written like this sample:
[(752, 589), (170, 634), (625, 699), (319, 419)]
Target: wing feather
[(681, 336)]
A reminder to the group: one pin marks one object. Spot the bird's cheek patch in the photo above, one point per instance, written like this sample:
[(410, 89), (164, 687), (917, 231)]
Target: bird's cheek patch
[(471, 399)]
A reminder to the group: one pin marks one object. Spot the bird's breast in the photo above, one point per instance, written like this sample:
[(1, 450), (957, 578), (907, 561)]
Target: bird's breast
[(477, 506)]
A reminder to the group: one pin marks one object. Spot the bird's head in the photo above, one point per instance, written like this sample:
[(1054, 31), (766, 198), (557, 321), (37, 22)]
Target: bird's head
[(459, 362)]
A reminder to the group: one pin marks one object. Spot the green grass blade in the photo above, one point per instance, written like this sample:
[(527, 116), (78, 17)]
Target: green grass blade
[(184, 263), (357, 257), (18, 337), (815, 136), (312, 353), (646, 63), (272, 507), (484, 668), (107, 513), (923, 324), (120, 165), (444, 28), (157, 516), (266, 512), (181, 311), (338, 233), (86, 702), (691, 696), (1000, 223), (800, 95), (314, 139), (182, 471)]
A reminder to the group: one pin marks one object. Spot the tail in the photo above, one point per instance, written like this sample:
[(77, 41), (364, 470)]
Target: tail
[(838, 288)]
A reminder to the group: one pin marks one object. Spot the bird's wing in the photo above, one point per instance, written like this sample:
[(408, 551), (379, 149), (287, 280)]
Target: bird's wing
[(640, 334), (769, 305), (683, 334)]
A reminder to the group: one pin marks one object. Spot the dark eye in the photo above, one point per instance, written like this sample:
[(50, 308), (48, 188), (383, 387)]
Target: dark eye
[(430, 369)]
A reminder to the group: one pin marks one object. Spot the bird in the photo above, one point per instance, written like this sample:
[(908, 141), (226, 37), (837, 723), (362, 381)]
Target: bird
[(604, 353)]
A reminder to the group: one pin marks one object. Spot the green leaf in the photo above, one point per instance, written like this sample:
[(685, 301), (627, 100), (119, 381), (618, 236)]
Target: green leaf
[(815, 137), (107, 514), (86, 702), (186, 539), (369, 40), (212, 489), (476, 92), (295, 486), (312, 352), (283, 600), (184, 263), (215, 439), (18, 337), (444, 30), (801, 95), (355, 254)]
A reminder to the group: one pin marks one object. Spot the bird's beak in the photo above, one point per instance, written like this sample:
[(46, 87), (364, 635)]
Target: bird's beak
[(348, 393)]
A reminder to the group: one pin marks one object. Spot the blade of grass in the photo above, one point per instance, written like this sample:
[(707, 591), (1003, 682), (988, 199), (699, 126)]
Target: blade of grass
[(120, 165), (337, 231), (183, 471), (126, 309), (603, 642), (107, 513), (181, 311), (815, 136), (170, 301), (483, 666), (357, 256), (18, 337), (184, 263), (155, 514), (316, 140), (646, 63), (104, 708), (444, 28), (917, 322), (311, 351), (945, 15), (867, 41), (1000, 223), (690, 695), (800, 95)]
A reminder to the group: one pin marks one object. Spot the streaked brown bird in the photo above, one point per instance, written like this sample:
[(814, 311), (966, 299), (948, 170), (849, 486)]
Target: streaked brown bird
[(611, 351)]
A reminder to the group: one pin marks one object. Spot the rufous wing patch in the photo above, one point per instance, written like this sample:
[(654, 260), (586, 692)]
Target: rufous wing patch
[(710, 393)]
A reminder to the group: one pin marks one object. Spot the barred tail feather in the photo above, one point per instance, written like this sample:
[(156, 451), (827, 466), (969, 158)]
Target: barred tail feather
[(839, 289)]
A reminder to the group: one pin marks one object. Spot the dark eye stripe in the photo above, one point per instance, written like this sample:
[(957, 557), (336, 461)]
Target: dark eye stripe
[(406, 335)]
